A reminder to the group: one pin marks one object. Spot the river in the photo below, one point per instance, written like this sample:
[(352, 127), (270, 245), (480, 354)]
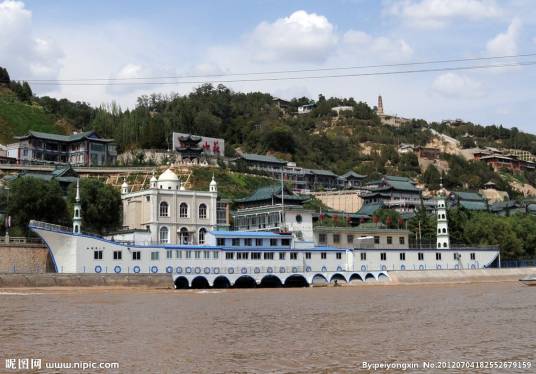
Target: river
[(328, 330)]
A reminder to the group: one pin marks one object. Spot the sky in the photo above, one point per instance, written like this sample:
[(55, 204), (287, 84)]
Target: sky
[(67, 40)]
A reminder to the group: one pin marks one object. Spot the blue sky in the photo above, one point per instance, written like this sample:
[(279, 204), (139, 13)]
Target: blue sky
[(118, 39)]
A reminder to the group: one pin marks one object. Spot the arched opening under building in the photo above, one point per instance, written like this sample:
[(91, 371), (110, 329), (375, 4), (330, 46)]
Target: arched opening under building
[(200, 282), (181, 283), (319, 280), (221, 282), (338, 279), (271, 281), (355, 278), (245, 281), (382, 277), (369, 277), (296, 280)]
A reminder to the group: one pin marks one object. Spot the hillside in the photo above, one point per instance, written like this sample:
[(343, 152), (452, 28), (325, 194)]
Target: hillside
[(17, 117)]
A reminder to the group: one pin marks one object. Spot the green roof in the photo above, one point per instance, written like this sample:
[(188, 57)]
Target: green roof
[(473, 205), (262, 158), (470, 196), (369, 209), (266, 193), (322, 172), (63, 138), (402, 185), (353, 174)]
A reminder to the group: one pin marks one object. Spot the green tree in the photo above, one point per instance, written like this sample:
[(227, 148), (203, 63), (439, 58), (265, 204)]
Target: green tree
[(431, 177), (101, 206), (32, 198)]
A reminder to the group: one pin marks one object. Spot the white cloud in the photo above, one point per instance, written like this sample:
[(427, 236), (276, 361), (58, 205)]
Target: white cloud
[(23, 54), (301, 36), (454, 85), (382, 47), (437, 13), (505, 43)]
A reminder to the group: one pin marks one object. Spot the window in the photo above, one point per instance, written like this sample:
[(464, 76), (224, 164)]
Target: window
[(363, 256), (97, 255), (350, 239), (229, 255), (164, 209), (242, 255), (169, 254), (258, 242), (307, 255), (281, 255), (457, 256), (273, 242), (220, 242), (402, 240), (323, 255), (322, 238), (155, 256), (473, 256), (202, 211), (268, 255), (293, 255), (376, 240), (216, 255), (255, 255), (445, 245), (118, 255), (136, 255), (183, 210), (147, 198), (402, 256), (178, 254), (197, 254), (201, 236), (336, 238), (206, 254), (247, 242), (164, 235), (338, 255), (236, 242), (389, 240), (188, 254), (285, 242), (421, 256), (438, 256), (383, 256)]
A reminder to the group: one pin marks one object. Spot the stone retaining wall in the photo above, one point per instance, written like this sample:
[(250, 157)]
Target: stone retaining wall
[(85, 280), (460, 276), (25, 258)]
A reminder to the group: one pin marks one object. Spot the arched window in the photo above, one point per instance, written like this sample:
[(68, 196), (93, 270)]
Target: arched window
[(202, 211), (202, 232), (183, 210), (164, 209), (445, 245), (76, 213), (438, 245), (444, 231), (184, 236), (439, 231), (164, 235)]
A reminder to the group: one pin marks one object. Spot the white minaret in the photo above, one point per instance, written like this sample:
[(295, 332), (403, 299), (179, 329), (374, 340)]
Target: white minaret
[(77, 215), (443, 240), (213, 186), (153, 181), (124, 187)]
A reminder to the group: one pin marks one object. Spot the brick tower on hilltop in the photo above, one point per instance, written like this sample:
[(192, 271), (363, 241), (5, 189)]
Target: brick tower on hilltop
[(379, 109)]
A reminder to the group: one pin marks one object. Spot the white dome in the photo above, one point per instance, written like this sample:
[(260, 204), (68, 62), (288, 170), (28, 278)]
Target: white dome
[(168, 180), (153, 179), (168, 176), (124, 185)]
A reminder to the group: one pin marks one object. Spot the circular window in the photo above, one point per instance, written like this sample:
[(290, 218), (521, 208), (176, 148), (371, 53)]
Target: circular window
[(299, 218)]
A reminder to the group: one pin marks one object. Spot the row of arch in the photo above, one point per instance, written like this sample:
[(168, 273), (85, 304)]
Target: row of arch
[(202, 210), (184, 235), (273, 281)]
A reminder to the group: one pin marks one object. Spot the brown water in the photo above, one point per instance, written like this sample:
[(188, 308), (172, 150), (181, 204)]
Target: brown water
[(270, 330)]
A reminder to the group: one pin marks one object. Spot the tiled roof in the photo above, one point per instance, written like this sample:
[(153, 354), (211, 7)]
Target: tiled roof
[(63, 138), (262, 158), (322, 172), (266, 193), (353, 174), (470, 196), (473, 205), (369, 209), (402, 185)]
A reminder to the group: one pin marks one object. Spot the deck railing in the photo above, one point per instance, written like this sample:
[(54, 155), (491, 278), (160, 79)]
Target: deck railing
[(49, 226)]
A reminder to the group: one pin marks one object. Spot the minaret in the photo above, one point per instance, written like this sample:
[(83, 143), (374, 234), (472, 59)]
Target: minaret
[(124, 187), (153, 181), (379, 109), (213, 186), (443, 240), (77, 215)]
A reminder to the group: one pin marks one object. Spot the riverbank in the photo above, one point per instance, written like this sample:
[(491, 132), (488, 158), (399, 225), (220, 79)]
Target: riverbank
[(18, 280)]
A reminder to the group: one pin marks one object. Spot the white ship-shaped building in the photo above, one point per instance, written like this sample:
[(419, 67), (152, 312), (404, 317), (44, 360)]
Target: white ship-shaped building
[(205, 255)]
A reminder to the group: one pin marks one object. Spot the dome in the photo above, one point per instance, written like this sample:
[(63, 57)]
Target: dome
[(168, 180), (168, 176), (153, 179)]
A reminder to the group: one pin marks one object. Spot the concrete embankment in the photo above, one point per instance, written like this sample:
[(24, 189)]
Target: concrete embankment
[(460, 276), (13, 280)]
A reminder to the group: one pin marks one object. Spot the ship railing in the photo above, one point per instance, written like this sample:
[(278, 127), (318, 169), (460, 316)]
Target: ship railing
[(49, 226)]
